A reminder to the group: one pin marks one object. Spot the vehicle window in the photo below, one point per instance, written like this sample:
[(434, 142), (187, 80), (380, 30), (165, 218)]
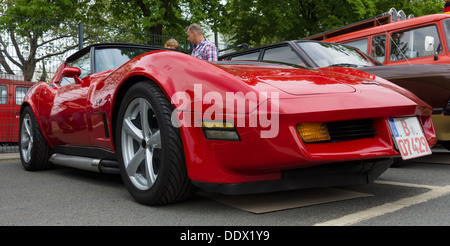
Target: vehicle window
[(331, 54), (112, 58), (361, 44), (378, 50), (414, 43), (20, 94), (247, 57), (282, 54), (3, 94), (446, 24), (83, 63)]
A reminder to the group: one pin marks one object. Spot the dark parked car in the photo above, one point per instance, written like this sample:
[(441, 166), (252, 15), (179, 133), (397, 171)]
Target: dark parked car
[(431, 83)]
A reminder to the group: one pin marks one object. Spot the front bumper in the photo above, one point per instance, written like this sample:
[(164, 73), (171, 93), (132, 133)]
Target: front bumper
[(254, 159), (338, 174)]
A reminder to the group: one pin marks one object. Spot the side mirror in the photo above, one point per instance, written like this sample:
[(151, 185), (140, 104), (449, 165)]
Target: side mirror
[(73, 72), (429, 44)]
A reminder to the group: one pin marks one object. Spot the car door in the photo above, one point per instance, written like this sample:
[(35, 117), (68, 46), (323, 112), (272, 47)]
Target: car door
[(68, 116), (5, 113), (421, 45)]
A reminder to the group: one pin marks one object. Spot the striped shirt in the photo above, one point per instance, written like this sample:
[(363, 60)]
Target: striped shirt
[(205, 50)]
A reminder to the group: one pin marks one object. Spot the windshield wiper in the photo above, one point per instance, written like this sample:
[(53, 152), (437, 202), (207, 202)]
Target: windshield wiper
[(344, 65)]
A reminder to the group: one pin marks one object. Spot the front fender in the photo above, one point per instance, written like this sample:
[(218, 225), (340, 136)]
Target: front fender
[(38, 98)]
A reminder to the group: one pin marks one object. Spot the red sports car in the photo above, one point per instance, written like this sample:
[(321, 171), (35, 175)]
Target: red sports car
[(170, 123)]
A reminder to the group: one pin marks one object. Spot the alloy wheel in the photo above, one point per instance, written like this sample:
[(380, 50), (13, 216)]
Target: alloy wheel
[(141, 144)]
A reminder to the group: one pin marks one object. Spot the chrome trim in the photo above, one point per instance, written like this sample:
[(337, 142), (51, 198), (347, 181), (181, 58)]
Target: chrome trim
[(85, 163)]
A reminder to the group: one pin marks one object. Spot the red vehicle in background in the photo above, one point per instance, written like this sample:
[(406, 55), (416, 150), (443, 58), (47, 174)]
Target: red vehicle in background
[(393, 39), (12, 93)]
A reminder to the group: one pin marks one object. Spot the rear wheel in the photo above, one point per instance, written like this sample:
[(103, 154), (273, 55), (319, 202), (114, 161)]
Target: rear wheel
[(34, 151), (150, 149)]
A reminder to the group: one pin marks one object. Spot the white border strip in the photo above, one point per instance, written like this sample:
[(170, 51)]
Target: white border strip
[(431, 187)]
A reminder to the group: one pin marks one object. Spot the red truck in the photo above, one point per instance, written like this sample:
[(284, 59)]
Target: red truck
[(12, 93), (396, 40)]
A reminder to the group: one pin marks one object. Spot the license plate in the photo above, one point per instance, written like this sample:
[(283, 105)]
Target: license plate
[(409, 137)]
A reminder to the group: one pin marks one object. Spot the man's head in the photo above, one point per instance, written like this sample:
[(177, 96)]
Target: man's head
[(195, 34)]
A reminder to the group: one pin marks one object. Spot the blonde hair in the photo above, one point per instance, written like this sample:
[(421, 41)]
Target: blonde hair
[(172, 44)]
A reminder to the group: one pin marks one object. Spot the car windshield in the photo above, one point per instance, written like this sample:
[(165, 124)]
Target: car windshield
[(330, 54), (112, 58)]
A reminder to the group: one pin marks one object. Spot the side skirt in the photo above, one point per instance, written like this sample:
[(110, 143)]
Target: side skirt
[(86, 158)]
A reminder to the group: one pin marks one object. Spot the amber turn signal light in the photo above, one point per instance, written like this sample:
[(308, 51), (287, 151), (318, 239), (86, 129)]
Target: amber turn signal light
[(313, 132)]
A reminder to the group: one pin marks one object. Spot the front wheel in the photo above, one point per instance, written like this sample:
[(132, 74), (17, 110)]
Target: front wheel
[(150, 149)]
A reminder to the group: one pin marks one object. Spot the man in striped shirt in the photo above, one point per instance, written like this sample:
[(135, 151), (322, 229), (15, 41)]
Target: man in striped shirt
[(203, 48)]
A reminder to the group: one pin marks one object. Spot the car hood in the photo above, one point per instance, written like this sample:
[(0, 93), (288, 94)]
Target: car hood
[(307, 84), (293, 80)]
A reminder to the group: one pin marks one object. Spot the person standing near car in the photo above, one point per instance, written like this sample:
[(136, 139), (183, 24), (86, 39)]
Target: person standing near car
[(172, 44), (203, 48)]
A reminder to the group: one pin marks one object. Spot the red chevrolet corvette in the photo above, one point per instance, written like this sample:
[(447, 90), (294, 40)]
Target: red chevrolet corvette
[(170, 123)]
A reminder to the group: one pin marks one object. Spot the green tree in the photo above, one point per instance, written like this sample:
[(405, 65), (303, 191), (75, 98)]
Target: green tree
[(28, 36), (165, 17), (25, 28), (259, 22), (414, 7)]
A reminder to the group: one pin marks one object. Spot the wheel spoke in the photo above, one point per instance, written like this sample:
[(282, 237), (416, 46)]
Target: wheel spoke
[(149, 169), (30, 146), (143, 109), (132, 130), (133, 165), (24, 143), (26, 123), (155, 140), (26, 139)]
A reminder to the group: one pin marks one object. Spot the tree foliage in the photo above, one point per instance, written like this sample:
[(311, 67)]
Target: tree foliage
[(32, 27), (22, 39), (255, 22), (165, 17), (258, 22)]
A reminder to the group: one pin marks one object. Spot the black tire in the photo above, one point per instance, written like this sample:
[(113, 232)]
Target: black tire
[(34, 151), (163, 156)]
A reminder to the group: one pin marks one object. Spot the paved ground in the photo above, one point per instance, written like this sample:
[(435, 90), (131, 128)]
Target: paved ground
[(416, 194)]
